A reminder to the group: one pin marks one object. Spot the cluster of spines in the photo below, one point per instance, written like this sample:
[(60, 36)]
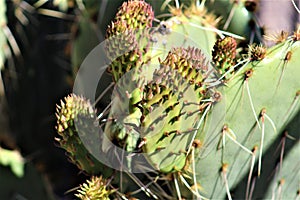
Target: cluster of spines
[(224, 54), (190, 63), (257, 52), (137, 13), (208, 18), (126, 37), (75, 119), (94, 189)]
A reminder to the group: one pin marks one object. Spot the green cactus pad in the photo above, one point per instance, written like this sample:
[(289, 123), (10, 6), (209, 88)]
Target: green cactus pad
[(170, 117), (76, 122), (262, 96), (162, 112)]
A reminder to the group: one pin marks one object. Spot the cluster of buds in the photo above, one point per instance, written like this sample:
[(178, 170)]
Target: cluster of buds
[(76, 120), (96, 188), (224, 54), (126, 37)]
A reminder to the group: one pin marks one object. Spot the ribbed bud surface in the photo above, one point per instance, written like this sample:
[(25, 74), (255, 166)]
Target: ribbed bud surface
[(223, 54), (76, 120), (94, 189), (126, 37)]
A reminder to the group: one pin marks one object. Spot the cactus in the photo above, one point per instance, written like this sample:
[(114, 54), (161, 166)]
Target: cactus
[(254, 120), (132, 17), (76, 121), (225, 129), (96, 188)]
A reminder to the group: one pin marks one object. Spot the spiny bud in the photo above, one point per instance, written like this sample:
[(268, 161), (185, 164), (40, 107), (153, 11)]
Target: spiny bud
[(257, 52), (94, 189), (132, 15), (296, 35), (76, 122), (70, 110), (137, 13), (190, 63), (223, 54), (124, 52), (127, 37)]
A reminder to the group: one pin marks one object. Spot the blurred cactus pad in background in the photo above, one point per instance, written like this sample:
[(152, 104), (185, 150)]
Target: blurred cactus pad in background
[(158, 99)]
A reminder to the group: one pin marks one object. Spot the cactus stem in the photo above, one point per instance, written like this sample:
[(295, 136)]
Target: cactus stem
[(224, 170), (244, 62)]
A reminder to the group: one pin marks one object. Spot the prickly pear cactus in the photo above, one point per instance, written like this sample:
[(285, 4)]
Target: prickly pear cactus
[(96, 188), (133, 100), (193, 128), (170, 107), (224, 55), (261, 99), (127, 30), (76, 121)]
